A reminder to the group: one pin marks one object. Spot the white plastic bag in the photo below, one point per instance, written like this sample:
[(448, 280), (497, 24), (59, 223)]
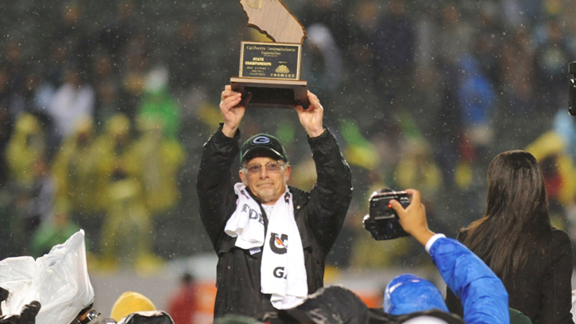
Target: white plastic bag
[(58, 280)]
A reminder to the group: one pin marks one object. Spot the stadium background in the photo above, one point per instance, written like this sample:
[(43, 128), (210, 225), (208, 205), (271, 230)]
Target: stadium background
[(420, 94)]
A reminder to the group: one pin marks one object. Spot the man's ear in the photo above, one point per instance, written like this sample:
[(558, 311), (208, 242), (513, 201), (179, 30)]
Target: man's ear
[(287, 172), (244, 182)]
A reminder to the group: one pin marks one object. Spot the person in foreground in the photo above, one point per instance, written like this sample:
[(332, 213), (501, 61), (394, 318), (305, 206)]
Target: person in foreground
[(271, 239), (517, 241), (409, 299)]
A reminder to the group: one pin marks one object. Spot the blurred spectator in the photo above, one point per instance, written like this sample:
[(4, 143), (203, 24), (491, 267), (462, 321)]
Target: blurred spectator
[(517, 105), (448, 126), (72, 102), (394, 52), (71, 32), (160, 160), (80, 181), (134, 65), (329, 13), (454, 39), (54, 66), (30, 98), (6, 125), (40, 198), (115, 36), (114, 146), (55, 230), (550, 61), (559, 174), (34, 98), (183, 304), (186, 59), (32, 200), (359, 151), (518, 13), (488, 41), (25, 148), (322, 65), (158, 103), (107, 88), (476, 99), (128, 221), (14, 66), (418, 169), (565, 126), (127, 232), (358, 56)]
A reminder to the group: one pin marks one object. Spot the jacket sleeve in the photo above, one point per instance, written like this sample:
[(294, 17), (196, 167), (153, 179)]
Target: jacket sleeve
[(483, 295), (214, 183), (452, 301), (556, 287), (332, 192)]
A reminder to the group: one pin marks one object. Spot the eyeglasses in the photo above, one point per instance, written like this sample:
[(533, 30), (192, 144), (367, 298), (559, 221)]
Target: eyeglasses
[(270, 167)]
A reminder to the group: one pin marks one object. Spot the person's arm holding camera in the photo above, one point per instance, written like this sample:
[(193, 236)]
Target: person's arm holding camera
[(483, 295)]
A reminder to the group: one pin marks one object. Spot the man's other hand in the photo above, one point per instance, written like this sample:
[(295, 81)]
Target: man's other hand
[(311, 118)]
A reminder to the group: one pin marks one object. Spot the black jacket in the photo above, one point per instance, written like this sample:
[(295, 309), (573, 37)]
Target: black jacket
[(542, 290), (319, 216)]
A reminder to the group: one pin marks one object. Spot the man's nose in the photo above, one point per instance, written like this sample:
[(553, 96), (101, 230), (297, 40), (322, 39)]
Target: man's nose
[(264, 172)]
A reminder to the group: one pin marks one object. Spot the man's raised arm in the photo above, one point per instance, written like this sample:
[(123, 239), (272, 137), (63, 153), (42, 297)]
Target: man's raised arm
[(213, 185)]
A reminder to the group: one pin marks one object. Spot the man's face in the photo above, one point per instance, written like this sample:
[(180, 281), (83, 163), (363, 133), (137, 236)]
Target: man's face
[(266, 178)]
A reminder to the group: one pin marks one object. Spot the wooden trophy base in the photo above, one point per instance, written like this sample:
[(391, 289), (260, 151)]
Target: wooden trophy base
[(272, 93)]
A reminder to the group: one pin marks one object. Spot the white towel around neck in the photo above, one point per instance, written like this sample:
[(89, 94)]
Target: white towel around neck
[(282, 272)]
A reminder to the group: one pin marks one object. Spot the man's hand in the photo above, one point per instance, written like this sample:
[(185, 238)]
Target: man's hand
[(413, 218), (311, 118), (232, 108)]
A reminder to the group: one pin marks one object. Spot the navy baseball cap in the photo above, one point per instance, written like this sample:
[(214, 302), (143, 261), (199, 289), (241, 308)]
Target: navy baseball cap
[(262, 143)]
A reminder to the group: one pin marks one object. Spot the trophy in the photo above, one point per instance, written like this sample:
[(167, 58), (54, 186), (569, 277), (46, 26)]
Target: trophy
[(270, 71)]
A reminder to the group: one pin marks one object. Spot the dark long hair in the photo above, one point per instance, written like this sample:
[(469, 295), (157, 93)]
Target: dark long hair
[(517, 223)]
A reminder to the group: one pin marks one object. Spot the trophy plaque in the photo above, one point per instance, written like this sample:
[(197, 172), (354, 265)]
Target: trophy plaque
[(270, 71)]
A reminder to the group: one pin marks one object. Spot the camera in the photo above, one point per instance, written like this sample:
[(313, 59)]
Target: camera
[(382, 221), (572, 89)]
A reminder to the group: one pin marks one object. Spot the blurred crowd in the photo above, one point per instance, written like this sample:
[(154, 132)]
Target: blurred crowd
[(104, 108)]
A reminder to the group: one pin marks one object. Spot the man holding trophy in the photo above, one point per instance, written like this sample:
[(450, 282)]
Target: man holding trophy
[(271, 239)]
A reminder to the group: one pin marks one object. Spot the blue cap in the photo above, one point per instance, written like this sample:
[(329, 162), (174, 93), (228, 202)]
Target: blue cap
[(406, 294)]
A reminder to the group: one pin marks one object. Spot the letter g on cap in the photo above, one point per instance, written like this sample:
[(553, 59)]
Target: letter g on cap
[(261, 140)]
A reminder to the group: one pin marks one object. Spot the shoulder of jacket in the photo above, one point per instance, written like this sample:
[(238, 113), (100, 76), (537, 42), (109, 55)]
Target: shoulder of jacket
[(560, 237), (300, 197)]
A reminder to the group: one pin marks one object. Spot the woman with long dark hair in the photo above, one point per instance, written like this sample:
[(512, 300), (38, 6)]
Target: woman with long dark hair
[(516, 240)]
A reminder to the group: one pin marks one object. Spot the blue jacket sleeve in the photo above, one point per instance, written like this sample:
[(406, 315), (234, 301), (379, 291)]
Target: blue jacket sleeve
[(483, 295)]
